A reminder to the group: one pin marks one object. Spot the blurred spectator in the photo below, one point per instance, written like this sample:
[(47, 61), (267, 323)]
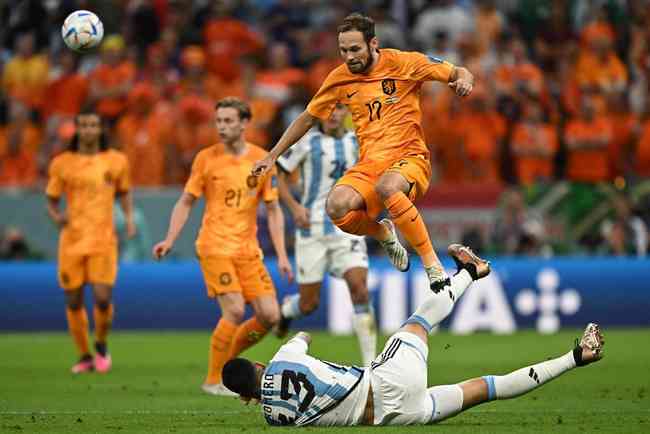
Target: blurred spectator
[(112, 80), (67, 90), (642, 152), (598, 66), (275, 80), (137, 248), (143, 133), (387, 30), (196, 79), (482, 133), (587, 138), (25, 74), (143, 27), (441, 16), (20, 140), (226, 40), (534, 144), (516, 231), (194, 129), (14, 246), (625, 132), (517, 76), (489, 22), (625, 233), (325, 63), (159, 73)]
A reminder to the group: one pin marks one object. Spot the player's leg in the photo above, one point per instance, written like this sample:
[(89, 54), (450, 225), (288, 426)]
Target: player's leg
[(298, 305), (349, 260), (78, 327), (397, 188), (103, 318), (353, 205), (101, 273), (71, 275), (223, 285), (258, 290), (311, 264), (435, 308), (363, 319), (450, 400)]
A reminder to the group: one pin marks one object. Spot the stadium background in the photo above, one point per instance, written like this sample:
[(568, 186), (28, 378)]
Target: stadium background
[(566, 230)]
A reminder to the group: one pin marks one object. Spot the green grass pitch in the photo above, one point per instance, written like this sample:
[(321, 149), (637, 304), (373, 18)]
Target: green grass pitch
[(154, 386)]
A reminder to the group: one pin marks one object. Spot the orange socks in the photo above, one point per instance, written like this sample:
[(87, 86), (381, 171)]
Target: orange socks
[(103, 320), (410, 224), (78, 326), (357, 222), (247, 335), (220, 343)]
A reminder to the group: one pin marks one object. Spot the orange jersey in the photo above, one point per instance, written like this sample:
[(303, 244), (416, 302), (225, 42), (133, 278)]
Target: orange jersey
[(384, 103), (229, 226), (89, 183)]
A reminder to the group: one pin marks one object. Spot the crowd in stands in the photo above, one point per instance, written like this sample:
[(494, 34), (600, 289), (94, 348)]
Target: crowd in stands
[(562, 86)]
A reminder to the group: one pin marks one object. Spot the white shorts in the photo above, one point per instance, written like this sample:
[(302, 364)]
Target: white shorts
[(336, 253), (399, 384)]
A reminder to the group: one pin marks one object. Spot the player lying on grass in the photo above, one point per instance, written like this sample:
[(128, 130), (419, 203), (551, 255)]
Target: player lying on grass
[(297, 389)]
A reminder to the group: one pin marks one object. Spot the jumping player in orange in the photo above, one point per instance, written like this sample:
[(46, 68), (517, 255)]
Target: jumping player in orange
[(227, 246), (90, 176), (381, 88)]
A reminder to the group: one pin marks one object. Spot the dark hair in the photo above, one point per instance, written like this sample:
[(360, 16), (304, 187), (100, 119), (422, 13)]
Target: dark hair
[(358, 22), (242, 107), (103, 140), (239, 376)]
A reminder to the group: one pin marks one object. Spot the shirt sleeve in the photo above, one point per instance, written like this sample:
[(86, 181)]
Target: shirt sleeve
[(196, 182), (428, 68), (322, 104), (270, 188), (295, 345), (294, 156), (55, 179)]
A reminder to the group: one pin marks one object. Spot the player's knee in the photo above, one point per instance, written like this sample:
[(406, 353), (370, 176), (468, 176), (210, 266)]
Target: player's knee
[(386, 188), (74, 304), (308, 304), (234, 314), (359, 293), (336, 208), (103, 304), (268, 317)]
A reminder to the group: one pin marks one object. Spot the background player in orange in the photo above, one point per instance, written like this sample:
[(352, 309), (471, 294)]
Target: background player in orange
[(227, 246), (90, 176), (381, 88)]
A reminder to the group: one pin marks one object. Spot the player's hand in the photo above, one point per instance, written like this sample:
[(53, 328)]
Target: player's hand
[(130, 229), (301, 216), (462, 87), (285, 268), (262, 166), (161, 249)]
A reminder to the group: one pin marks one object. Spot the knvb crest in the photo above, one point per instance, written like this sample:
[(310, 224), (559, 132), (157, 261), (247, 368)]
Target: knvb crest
[(388, 86)]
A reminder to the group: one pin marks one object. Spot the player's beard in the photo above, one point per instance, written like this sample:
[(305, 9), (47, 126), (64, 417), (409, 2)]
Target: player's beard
[(368, 62)]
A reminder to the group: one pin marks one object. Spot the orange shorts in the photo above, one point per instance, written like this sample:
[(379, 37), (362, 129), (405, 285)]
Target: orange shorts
[(247, 276), (363, 177), (77, 270)]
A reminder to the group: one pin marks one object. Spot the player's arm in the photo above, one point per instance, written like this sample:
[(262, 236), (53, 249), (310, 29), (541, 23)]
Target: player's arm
[(300, 213), (126, 203), (177, 221), (276, 230), (54, 211), (296, 130), (298, 344), (461, 80)]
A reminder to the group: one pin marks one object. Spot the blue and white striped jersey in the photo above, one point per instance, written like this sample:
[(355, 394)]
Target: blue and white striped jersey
[(322, 160), (298, 389)]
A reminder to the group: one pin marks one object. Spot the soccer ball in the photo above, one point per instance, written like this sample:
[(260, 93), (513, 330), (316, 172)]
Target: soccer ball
[(82, 30)]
